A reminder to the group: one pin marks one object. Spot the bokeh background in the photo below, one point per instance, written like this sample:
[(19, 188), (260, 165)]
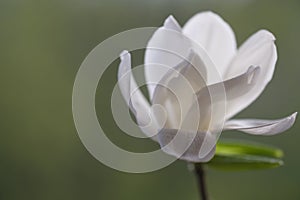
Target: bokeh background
[(42, 44)]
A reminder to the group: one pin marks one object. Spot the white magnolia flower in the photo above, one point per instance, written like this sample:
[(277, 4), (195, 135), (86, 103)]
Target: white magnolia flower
[(179, 71)]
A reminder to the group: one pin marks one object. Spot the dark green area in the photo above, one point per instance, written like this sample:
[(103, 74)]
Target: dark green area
[(42, 46)]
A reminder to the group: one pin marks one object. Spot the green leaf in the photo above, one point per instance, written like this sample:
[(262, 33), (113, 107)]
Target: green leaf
[(240, 147), (243, 162), (243, 155)]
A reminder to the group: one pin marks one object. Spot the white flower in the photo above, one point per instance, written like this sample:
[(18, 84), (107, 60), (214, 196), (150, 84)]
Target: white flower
[(205, 43)]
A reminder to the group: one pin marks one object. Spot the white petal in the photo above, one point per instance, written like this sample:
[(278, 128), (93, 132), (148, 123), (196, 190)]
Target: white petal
[(258, 50), (211, 32), (178, 86), (172, 24), (184, 145), (261, 127), (134, 97), (166, 48), (213, 99)]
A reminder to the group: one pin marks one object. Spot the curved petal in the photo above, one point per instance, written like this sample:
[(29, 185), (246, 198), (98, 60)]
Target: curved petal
[(258, 50), (166, 48), (211, 32), (221, 95), (208, 112), (211, 101), (177, 88), (184, 145), (261, 127), (134, 97)]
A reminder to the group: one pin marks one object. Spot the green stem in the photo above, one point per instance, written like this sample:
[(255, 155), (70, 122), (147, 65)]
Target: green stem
[(200, 174)]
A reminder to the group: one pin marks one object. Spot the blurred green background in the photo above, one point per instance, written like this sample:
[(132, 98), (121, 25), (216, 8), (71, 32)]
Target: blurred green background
[(42, 44)]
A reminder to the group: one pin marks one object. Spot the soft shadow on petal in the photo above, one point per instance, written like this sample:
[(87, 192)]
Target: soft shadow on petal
[(258, 50), (167, 47), (184, 145), (261, 127), (134, 97), (177, 88), (220, 95), (211, 32)]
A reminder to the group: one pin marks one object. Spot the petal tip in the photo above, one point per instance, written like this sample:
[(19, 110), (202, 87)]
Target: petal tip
[(125, 63), (291, 120), (208, 13), (252, 74), (172, 24), (293, 116), (267, 34), (124, 54)]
